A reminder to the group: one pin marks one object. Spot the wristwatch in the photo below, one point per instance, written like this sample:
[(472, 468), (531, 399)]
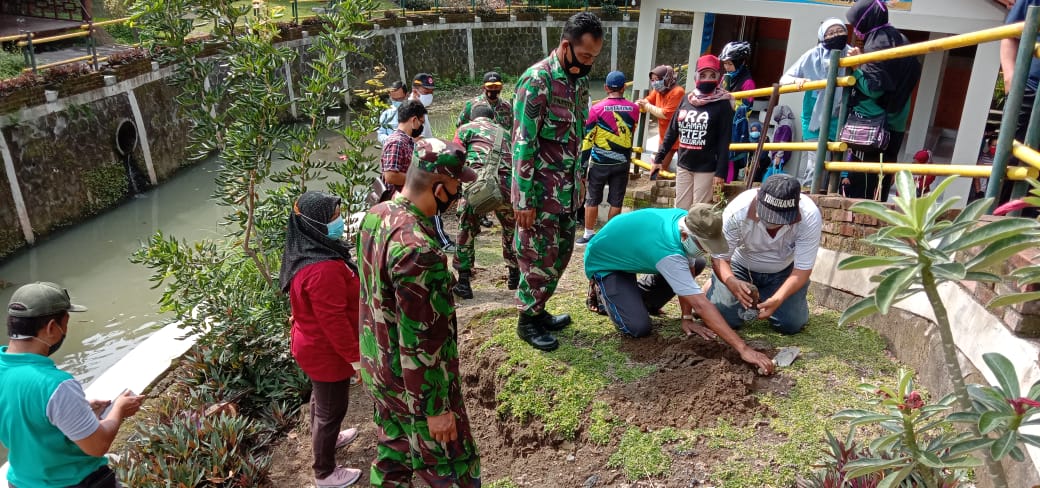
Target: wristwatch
[(688, 317)]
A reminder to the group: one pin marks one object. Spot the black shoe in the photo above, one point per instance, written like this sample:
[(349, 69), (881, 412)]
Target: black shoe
[(513, 281), (553, 323), (529, 329), (486, 222), (462, 288)]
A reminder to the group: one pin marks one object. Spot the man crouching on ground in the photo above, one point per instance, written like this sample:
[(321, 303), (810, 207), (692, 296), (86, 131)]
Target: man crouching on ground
[(667, 245)]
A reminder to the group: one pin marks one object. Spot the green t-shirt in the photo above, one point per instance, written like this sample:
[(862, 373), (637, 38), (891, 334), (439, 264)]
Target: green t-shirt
[(653, 231), (41, 455)]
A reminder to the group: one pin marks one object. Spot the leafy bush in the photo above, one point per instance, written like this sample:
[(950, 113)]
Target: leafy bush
[(122, 33), (610, 11), (11, 63), (418, 4), (24, 80), (126, 56), (65, 72)]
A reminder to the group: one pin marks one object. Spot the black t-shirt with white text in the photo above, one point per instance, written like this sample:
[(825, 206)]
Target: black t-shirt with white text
[(703, 134)]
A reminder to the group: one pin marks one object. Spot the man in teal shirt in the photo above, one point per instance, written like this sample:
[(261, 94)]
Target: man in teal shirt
[(53, 433), (666, 245)]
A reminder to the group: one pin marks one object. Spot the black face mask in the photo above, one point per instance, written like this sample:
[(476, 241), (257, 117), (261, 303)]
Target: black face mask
[(837, 42), (418, 131), (53, 348), (707, 87), (443, 206), (492, 95), (583, 69)]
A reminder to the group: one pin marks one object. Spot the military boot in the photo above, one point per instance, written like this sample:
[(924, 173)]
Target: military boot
[(462, 288), (529, 329), (553, 323), (513, 281)]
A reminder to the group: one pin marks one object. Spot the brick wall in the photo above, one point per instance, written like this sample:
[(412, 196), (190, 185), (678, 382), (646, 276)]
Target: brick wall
[(843, 231)]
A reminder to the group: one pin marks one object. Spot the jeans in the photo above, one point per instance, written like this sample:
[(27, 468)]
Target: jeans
[(789, 317)]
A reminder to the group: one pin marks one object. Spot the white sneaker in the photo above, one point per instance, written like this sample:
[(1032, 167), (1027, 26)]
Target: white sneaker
[(346, 437), (340, 478)]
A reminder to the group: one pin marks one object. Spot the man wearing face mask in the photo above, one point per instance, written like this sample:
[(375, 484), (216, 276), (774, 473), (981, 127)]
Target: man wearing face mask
[(551, 106), (409, 336), (502, 109), (53, 433), (422, 90), (667, 246), (773, 233), (398, 147), (388, 119)]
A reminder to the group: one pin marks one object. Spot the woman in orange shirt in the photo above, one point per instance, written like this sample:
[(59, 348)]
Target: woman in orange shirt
[(663, 100)]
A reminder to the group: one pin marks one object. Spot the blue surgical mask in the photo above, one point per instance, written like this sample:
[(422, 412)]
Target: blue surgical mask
[(335, 231), (396, 103), (693, 251), (657, 85), (755, 136)]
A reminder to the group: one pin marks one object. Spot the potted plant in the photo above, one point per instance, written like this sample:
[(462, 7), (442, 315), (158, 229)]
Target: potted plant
[(68, 79), (128, 63)]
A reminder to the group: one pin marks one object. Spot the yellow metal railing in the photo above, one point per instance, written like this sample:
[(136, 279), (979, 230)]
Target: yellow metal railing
[(944, 44), (1026, 154), (793, 88), (1017, 173), (61, 37)]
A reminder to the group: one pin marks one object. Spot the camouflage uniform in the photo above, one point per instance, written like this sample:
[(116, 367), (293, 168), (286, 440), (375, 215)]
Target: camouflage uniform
[(409, 349), (503, 111), (548, 126), (478, 137)]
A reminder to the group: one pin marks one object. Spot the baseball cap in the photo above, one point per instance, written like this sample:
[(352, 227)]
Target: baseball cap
[(446, 158), (616, 79), (39, 300), (708, 61), (424, 80), (493, 79), (778, 199), (706, 224)]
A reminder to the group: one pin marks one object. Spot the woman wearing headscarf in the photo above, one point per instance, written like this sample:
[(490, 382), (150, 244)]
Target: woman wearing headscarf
[(661, 103), (882, 87), (702, 127), (813, 65), (324, 293)]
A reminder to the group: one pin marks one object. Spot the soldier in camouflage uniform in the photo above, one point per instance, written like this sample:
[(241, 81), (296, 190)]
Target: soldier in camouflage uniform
[(409, 340), (502, 110), (478, 137), (550, 109)]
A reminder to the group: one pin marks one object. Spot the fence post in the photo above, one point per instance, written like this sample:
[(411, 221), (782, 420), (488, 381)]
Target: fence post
[(30, 54), (825, 121), (295, 12), (92, 46), (1009, 121), (843, 114)]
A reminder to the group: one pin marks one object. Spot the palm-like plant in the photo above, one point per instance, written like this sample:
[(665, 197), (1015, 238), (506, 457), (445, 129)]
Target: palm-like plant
[(924, 250)]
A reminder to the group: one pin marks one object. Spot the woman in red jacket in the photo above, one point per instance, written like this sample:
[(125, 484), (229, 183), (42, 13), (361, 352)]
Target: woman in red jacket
[(324, 293)]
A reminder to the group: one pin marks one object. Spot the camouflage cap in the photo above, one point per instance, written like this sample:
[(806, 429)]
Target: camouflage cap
[(446, 158)]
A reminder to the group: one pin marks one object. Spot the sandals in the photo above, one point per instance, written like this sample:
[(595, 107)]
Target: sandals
[(592, 301)]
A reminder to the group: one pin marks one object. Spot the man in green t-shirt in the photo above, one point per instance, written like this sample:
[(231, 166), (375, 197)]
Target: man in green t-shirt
[(666, 245), (53, 432)]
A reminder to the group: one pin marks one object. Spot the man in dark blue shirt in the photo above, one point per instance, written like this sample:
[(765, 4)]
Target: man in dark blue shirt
[(1008, 53)]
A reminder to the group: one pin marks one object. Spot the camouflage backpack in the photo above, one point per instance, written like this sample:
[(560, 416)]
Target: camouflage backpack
[(484, 195)]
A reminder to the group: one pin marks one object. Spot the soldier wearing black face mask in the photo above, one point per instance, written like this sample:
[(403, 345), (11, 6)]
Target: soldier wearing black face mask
[(491, 98), (550, 107)]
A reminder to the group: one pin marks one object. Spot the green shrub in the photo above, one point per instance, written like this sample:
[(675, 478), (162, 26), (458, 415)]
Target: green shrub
[(11, 63)]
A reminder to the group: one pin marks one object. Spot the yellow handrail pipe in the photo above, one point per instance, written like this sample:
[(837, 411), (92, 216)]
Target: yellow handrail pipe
[(787, 146), (643, 164), (944, 44), (68, 61), (106, 22), (1026, 154), (44, 40), (793, 88), (970, 171), (12, 38)]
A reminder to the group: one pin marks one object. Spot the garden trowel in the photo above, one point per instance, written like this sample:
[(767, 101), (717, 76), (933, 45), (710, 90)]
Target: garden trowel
[(786, 355)]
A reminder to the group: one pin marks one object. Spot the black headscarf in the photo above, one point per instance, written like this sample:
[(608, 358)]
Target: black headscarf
[(306, 240), (896, 77)]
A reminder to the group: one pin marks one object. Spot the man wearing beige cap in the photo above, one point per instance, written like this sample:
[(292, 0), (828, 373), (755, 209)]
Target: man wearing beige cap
[(666, 245), (53, 432)]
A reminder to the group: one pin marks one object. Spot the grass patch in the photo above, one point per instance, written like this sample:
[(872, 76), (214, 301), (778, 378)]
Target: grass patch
[(503, 483), (11, 63), (601, 423), (641, 454), (557, 388)]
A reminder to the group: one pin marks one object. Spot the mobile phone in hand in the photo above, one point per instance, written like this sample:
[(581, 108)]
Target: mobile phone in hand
[(104, 413)]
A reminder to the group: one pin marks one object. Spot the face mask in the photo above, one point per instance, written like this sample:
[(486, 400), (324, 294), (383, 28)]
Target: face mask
[(53, 348), (657, 85), (443, 206), (492, 95), (837, 42), (755, 135), (993, 151), (707, 87), (426, 99), (418, 130), (395, 103), (335, 231), (573, 63), (693, 252)]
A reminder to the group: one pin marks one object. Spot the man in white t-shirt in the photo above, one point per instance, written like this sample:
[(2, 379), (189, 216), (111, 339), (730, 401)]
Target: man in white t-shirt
[(773, 234)]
